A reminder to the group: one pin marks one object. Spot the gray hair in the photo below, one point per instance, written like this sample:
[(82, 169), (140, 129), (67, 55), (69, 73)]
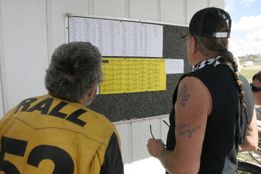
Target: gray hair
[(74, 69)]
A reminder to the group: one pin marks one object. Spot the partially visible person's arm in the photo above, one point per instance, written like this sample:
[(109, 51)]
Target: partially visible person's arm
[(113, 161), (192, 108), (250, 142)]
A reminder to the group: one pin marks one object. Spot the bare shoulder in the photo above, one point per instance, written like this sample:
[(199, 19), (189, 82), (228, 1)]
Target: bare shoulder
[(193, 93)]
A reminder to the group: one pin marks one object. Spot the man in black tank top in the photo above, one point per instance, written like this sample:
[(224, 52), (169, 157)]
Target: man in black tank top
[(208, 121)]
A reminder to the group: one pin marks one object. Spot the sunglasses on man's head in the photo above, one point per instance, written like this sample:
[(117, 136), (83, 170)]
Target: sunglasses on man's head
[(255, 88)]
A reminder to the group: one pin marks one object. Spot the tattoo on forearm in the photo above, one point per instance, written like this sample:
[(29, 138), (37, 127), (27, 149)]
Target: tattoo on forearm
[(183, 96), (186, 130)]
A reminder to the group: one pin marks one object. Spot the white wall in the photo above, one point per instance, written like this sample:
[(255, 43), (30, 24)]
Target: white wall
[(193, 6), (215, 3), (1, 102), (145, 9), (135, 133), (31, 29), (173, 11), (109, 8), (25, 52), (1, 62)]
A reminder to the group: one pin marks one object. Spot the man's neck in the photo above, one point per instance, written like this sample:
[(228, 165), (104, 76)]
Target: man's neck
[(199, 58)]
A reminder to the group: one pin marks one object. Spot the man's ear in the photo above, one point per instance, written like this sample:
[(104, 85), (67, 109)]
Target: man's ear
[(89, 96), (92, 93)]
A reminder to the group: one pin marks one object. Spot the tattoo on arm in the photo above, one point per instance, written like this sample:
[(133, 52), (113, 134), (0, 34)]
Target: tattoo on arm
[(183, 95), (186, 130)]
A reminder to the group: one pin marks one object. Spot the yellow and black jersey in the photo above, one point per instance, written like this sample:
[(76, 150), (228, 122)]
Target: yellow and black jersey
[(46, 135)]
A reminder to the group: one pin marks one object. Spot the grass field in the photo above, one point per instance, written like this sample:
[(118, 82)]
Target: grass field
[(248, 72)]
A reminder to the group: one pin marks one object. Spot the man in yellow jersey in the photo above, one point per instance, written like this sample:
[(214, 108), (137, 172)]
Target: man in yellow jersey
[(56, 133)]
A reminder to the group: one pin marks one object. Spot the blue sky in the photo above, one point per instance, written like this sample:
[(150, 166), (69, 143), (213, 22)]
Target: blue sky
[(246, 26)]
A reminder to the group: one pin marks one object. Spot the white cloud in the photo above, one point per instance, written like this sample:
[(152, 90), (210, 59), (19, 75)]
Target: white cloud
[(245, 45), (247, 2), (230, 5), (246, 36), (255, 36), (246, 32), (241, 47), (247, 23)]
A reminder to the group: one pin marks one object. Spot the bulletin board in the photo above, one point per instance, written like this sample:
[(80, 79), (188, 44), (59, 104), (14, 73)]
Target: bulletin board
[(142, 62)]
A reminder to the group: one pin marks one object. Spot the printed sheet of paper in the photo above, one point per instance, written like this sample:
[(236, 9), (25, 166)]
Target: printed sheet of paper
[(118, 38), (127, 75), (174, 66)]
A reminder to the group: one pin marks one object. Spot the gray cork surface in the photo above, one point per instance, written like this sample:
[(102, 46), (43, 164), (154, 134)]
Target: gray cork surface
[(119, 107)]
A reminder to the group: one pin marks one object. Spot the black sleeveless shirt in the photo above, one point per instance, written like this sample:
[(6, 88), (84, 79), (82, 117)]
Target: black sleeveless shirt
[(219, 147)]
